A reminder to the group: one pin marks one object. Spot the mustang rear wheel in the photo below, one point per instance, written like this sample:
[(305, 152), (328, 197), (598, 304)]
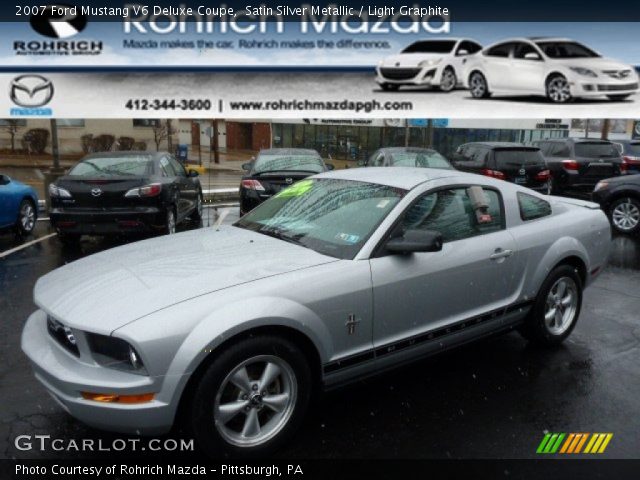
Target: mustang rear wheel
[(252, 398), (556, 309)]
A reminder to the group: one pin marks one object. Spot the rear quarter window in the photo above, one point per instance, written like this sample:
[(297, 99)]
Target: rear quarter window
[(532, 207)]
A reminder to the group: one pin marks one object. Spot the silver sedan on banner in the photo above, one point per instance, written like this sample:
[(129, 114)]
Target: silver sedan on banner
[(339, 276)]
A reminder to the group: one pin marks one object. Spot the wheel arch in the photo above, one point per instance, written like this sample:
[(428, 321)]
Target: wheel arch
[(29, 198), (552, 74), (621, 193), (565, 251)]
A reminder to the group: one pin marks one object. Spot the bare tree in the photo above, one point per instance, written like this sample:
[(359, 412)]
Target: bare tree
[(12, 127), (162, 130)]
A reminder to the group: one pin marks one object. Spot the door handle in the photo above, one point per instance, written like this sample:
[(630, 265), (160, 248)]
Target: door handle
[(500, 253)]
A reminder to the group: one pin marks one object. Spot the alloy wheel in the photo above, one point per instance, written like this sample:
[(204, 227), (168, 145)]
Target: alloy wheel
[(27, 217), (199, 206), (559, 90), (171, 222), (625, 216), (448, 81), (561, 306), (478, 85), (255, 401)]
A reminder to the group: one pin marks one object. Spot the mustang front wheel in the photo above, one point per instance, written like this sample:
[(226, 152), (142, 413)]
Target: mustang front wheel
[(252, 397)]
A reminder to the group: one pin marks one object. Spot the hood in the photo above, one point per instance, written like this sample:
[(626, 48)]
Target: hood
[(410, 59), (105, 291), (596, 63)]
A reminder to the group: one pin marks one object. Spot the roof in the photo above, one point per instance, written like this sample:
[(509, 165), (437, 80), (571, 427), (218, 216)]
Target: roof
[(407, 149), (550, 39), (288, 151), (500, 145), (124, 153), (398, 177)]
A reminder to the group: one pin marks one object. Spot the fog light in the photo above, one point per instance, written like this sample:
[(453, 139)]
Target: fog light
[(115, 398)]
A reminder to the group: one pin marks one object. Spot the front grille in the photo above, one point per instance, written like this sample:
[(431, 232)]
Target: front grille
[(399, 73), (617, 88), (63, 335), (620, 74)]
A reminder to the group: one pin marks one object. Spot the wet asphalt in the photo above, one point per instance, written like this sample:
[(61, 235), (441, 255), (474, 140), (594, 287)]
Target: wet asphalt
[(493, 399)]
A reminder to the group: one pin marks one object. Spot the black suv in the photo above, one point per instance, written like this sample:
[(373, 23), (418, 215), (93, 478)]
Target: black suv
[(508, 161), (577, 164)]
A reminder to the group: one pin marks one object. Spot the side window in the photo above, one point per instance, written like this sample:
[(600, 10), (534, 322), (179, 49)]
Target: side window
[(451, 213), (522, 49), (177, 167), (532, 207), (165, 168), (501, 50), (470, 47)]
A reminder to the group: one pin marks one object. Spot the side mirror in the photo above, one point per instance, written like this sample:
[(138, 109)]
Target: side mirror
[(193, 173), (247, 166), (330, 166), (532, 56), (416, 241), (462, 52)]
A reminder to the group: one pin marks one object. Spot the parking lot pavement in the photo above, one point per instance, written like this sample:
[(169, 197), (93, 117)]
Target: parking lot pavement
[(494, 399)]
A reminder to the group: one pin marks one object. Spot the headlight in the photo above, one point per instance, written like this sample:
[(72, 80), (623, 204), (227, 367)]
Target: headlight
[(58, 192), (113, 352), (601, 186), (584, 72), (429, 63)]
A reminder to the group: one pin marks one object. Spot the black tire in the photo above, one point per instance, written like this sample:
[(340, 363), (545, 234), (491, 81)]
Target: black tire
[(202, 419), (618, 98), (536, 329), (171, 220), (450, 83), (196, 215), (558, 89), (389, 87), (478, 86), (27, 216), (624, 215), (69, 239)]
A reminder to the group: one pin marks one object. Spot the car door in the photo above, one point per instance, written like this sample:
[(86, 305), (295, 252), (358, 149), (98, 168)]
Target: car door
[(470, 276), (497, 63), (460, 58), (7, 215), (187, 188), (527, 72)]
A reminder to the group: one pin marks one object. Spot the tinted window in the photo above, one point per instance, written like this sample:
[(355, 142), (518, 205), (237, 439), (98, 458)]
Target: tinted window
[(451, 213), (517, 158), (559, 149), (138, 165), (501, 50), (632, 149), (177, 167), (566, 50), (430, 46), (596, 150), (533, 207), (166, 167), (522, 49), (288, 163), (376, 160), (331, 216), (473, 156), (426, 159), (470, 47)]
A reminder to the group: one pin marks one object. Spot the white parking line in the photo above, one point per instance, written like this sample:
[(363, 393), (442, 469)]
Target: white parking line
[(6, 253)]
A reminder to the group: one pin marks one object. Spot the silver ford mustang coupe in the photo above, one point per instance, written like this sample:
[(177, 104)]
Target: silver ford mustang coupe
[(233, 329)]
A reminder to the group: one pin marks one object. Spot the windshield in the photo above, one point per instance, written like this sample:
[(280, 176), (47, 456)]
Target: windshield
[(430, 46), (288, 163), (138, 165), (566, 50), (596, 150), (426, 159), (333, 217), (518, 158)]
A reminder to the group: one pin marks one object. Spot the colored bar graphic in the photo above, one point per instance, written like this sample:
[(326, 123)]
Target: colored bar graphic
[(573, 443)]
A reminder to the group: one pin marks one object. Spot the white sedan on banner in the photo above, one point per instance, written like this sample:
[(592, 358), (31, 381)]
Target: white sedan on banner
[(558, 68), (437, 63)]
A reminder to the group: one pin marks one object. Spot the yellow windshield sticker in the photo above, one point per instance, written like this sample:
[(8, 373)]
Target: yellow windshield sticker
[(297, 189)]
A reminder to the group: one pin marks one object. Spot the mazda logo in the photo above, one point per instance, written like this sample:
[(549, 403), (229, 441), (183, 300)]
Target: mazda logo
[(31, 91), (96, 192), (55, 22), (522, 171), (289, 181)]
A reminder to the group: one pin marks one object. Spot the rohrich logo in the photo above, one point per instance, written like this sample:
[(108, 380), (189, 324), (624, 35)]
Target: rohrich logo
[(31, 93), (58, 21)]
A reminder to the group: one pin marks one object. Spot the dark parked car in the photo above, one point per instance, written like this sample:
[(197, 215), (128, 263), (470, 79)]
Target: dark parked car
[(275, 169), (124, 192), (630, 150), (619, 197), (577, 164), (508, 161), (407, 157), (18, 206)]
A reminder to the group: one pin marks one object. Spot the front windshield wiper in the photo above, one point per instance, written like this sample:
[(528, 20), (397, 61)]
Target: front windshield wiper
[(280, 235)]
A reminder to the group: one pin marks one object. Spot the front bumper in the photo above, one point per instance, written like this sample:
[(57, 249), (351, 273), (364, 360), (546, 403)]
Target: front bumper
[(430, 75), (66, 376), (106, 222), (597, 87)]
